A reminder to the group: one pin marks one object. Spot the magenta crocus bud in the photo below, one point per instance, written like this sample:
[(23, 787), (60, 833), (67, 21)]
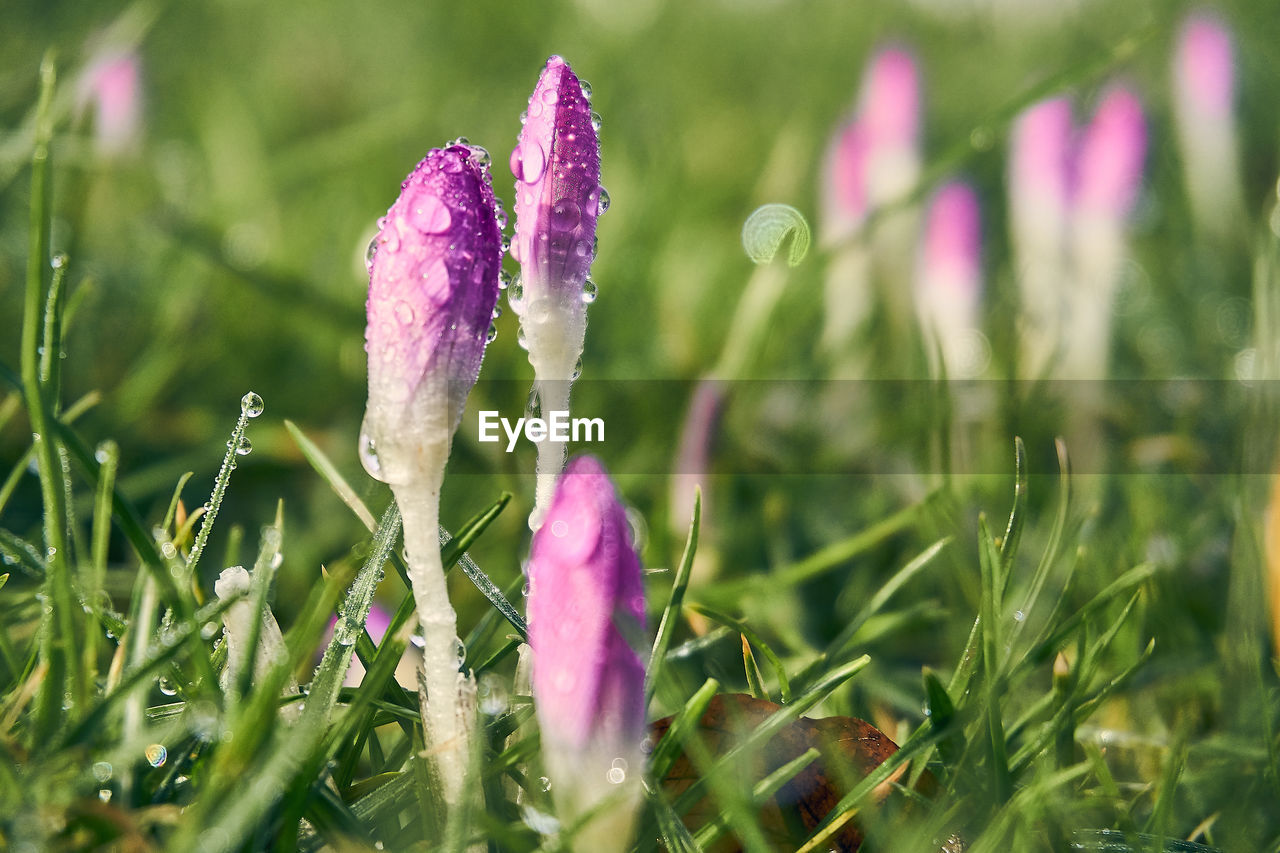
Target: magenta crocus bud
[(586, 617), (111, 89), (873, 161), (1108, 176), (1204, 91), (558, 198), (949, 282), (1112, 150), (433, 284), (1039, 203)]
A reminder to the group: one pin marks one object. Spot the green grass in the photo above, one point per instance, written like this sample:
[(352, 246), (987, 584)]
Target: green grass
[(1067, 654)]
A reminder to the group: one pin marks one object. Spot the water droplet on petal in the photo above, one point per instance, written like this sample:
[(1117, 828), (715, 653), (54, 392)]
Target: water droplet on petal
[(480, 157), (370, 251), (404, 313), (251, 404), (522, 340), (368, 453), (429, 214), (596, 121), (533, 160), (560, 528), (539, 310), (603, 204), (491, 335), (589, 291), (504, 280), (550, 96), (500, 214), (586, 88), (565, 215), (577, 369)]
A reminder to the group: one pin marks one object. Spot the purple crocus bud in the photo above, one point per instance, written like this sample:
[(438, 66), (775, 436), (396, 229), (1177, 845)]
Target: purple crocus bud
[(1204, 91), (558, 198), (949, 281), (1203, 68), (1112, 150), (1039, 191), (586, 616), (111, 88), (433, 284)]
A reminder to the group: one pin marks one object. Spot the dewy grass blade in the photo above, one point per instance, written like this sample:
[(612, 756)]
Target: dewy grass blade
[(109, 455), (824, 560), (841, 645), (1017, 515), (749, 635), (236, 446), (671, 613), (60, 633), (329, 473), (154, 662), (233, 816)]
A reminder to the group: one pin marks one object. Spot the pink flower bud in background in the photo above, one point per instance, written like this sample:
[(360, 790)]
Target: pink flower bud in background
[(874, 160), (1203, 71), (1112, 150), (1039, 207), (111, 89), (433, 284), (586, 615), (874, 157), (558, 198), (949, 281), (1204, 92)]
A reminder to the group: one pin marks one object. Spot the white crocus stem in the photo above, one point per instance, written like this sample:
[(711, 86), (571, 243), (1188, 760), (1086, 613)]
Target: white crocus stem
[(447, 722)]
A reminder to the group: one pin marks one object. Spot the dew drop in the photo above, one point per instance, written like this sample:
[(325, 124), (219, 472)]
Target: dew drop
[(603, 204), (596, 121), (480, 157), (429, 214), (500, 214), (102, 771), (589, 291), (251, 404), (156, 754), (497, 312), (533, 406), (166, 686), (459, 651), (461, 140), (243, 447), (582, 248), (565, 215), (539, 311), (522, 340), (560, 528), (550, 96), (491, 335), (1018, 616), (544, 783), (586, 88), (532, 161), (504, 280), (369, 456), (577, 369), (515, 296), (404, 313), (370, 252), (504, 245), (168, 550), (104, 794), (59, 260)]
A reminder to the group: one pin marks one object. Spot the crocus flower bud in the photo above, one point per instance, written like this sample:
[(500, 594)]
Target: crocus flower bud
[(433, 284), (586, 618), (873, 161), (237, 625), (112, 91), (1109, 168), (949, 282), (1108, 177), (1204, 90), (558, 197), (1039, 203)]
